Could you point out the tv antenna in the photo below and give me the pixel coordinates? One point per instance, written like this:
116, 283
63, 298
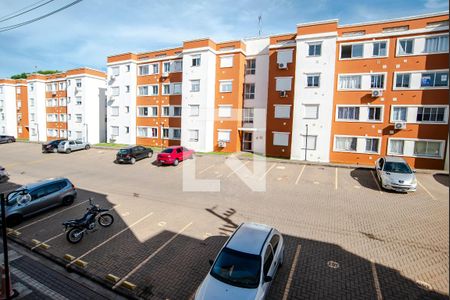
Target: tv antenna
259, 25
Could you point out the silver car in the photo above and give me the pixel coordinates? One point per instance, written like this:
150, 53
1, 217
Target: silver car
69, 146
38, 197
246, 265
395, 174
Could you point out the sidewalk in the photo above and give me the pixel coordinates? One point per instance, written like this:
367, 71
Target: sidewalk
35, 278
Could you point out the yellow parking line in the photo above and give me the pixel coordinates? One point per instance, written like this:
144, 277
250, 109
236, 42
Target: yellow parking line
267, 172
46, 241
376, 282
291, 273
376, 181
426, 190
151, 255
300, 175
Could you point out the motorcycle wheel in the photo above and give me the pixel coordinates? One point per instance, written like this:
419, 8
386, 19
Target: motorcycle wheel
74, 235
105, 220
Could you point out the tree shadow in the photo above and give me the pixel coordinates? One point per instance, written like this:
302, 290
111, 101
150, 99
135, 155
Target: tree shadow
442, 179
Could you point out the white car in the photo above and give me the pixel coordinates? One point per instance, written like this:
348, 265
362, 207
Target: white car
246, 265
395, 174
69, 146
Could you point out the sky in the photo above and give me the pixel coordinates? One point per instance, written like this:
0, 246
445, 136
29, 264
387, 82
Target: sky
86, 33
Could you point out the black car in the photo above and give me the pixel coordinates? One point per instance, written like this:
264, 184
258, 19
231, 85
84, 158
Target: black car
7, 139
132, 154
51, 147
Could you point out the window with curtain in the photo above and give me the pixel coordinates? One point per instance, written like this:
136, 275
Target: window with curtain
223, 136
399, 114
249, 91
436, 44
348, 113
193, 135
374, 114
344, 143
350, 82
194, 110
434, 79
315, 49
379, 49
248, 115
352, 51
377, 81
427, 148
313, 80
372, 145
309, 142
396, 146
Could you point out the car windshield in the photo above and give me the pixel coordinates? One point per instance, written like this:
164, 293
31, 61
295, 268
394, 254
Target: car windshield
237, 268
397, 167
123, 151
168, 150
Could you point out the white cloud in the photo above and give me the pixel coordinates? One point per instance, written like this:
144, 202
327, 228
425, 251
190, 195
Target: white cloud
436, 4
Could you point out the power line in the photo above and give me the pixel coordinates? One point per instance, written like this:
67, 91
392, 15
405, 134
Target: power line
24, 10
2, 29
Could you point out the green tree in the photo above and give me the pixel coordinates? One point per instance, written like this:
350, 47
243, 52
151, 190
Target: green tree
43, 72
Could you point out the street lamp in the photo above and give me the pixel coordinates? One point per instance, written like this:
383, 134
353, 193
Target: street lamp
24, 197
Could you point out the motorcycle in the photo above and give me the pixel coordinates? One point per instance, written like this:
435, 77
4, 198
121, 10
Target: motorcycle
4, 176
77, 228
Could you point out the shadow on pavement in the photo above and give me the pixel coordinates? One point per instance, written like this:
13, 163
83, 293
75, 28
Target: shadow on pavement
442, 179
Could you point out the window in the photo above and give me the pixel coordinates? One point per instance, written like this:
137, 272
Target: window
148, 90
166, 111
78, 118
249, 91
154, 68
348, 113
280, 139
226, 61
374, 114
427, 149
284, 56
166, 67
78, 83
62, 102
195, 85
165, 133
196, 61
343, 143
352, 51
49, 102
430, 114
115, 71
282, 111
377, 81
379, 49
223, 135
434, 79
148, 132
226, 86
436, 44
19, 129
402, 80
399, 114
309, 142
1, 89
63, 117
114, 130
396, 146
127, 89
31, 102
115, 111
194, 110
32, 117
144, 70
250, 67
248, 115
19, 103
315, 49
372, 145
225, 111
311, 111
166, 89
127, 109
127, 68
350, 82
193, 135
62, 86
177, 66
176, 133
406, 47
313, 80
177, 111
283, 83
176, 88
147, 111
127, 129
78, 101
115, 91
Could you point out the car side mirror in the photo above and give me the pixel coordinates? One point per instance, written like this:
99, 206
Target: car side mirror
211, 262
267, 278
414, 171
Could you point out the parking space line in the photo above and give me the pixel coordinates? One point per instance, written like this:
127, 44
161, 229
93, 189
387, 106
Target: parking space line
267, 172
376, 182
234, 171
151, 255
291, 273
376, 282
109, 239
426, 190
300, 175
336, 180
204, 170
47, 217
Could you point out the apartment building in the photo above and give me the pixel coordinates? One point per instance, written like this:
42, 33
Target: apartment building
325, 93
48, 107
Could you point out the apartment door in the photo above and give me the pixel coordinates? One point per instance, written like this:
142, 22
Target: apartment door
247, 138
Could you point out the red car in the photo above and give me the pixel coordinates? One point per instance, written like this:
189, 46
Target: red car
173, 155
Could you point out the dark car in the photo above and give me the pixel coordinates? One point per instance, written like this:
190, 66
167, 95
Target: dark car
51, 147
133, 154
7, 139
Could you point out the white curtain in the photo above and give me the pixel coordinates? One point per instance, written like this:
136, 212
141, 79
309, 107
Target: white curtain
399, 114
350, 82
396, 146
346, 143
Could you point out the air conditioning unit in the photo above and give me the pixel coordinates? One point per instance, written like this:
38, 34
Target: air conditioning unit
283, 94
282, 66
377, 93
222, 144
400, 125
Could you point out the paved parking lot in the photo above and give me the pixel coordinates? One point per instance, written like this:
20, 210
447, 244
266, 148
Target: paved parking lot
345, 237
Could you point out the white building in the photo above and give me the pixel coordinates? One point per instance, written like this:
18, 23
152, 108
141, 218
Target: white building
8, 118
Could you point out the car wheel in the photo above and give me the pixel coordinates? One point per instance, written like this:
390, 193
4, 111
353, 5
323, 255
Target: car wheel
10, 141
13, 220
150, 155
133, 160
192, 156
68, 151
87, 147
68, 200
175, 163
55, 150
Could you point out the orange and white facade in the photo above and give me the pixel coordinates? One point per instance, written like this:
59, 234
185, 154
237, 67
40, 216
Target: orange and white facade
48, 107
326, 93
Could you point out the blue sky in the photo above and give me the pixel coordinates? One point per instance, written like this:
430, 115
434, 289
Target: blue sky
85, 34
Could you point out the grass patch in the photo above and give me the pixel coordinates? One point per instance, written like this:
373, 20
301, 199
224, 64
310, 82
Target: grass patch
111, 145
22, 140
214, 153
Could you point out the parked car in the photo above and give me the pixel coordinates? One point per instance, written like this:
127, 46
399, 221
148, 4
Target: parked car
246, 265
69, 146
395, 174
39, 197
7, 139
173, 155
132, 154
51, 147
